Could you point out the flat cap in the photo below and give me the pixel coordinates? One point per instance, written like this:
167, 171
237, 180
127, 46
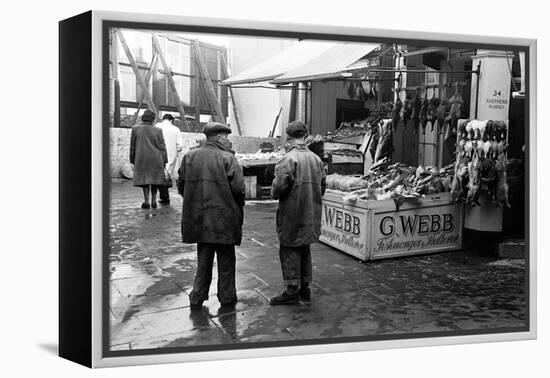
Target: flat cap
213, 128
296, 129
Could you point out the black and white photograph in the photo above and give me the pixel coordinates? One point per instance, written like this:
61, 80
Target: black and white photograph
271, 190
299, 188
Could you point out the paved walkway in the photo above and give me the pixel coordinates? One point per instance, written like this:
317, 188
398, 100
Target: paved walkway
152, 274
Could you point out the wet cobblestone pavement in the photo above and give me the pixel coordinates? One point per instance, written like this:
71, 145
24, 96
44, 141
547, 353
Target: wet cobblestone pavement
152, 274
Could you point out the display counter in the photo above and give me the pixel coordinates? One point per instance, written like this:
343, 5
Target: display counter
375, 229
246, 163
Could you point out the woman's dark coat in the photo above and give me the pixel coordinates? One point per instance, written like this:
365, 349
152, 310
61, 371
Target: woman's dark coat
212, 185
148, 155
299, 186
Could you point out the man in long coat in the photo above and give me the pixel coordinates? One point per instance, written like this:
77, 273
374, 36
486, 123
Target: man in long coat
299, 185
212, 185
174, 144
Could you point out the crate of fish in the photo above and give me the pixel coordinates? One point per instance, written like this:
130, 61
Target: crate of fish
399, 211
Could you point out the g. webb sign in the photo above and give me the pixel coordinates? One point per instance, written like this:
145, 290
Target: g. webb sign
414, 231
344, 229
377, 233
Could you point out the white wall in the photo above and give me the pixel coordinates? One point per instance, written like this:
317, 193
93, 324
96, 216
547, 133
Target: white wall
258, 107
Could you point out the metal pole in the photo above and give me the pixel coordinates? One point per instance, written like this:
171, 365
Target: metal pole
478, 71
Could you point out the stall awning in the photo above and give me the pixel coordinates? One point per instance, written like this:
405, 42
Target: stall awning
329, 64
295, 56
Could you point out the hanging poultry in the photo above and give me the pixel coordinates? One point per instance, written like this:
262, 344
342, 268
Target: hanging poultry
474, 180
360, 92
455, 113
441, 114
407, 111
351, 89
396, 111
489, 177
489, 130
424, 113
432, 110
461, 129
458, 179
366, 84
375, 131
385, 141
502, 183
416, 107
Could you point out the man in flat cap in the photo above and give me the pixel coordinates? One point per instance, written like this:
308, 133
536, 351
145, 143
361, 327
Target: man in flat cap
299, 185
212, 185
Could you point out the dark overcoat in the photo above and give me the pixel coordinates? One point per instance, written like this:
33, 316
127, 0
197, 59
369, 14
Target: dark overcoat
299, 186
148, 154
212, 185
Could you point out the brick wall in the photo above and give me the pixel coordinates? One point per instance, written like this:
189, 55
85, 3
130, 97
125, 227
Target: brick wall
119, 142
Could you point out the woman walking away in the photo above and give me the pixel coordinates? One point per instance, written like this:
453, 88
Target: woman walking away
148, 157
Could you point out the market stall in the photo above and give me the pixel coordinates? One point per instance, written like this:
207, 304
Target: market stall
393, 210
258, 169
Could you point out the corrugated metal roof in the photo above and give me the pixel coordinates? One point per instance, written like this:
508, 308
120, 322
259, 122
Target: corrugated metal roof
296, 55
328, 64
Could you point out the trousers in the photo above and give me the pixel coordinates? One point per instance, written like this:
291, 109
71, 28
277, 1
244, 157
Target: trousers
163, 193
225, 255
296, 264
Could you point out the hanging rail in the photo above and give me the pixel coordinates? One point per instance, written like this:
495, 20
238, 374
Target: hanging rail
428, 86
237, 86
477, 71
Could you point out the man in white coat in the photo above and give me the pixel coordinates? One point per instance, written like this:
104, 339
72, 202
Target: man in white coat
174, 144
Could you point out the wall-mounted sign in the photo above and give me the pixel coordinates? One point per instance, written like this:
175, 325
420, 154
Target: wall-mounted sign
494, 85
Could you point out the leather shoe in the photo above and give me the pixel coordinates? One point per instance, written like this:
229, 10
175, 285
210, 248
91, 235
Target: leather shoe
285, 299
305, 293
